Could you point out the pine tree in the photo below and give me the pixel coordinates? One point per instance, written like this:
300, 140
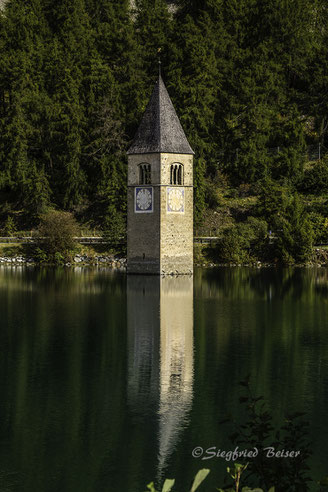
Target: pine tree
194, 80
67, 64
21, 86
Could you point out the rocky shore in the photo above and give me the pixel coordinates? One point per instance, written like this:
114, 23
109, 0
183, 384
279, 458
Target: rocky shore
319, 259
77, 260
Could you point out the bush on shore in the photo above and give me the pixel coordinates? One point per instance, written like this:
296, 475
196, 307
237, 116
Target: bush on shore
56, 234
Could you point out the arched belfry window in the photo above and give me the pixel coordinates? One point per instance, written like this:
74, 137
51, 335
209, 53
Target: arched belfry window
144, 174
176, 174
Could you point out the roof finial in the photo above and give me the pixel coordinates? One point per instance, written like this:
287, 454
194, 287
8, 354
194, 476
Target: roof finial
159, 61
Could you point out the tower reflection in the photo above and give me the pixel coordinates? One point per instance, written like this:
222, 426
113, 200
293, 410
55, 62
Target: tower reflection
160, 355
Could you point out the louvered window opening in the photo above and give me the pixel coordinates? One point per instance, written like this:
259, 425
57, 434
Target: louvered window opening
176, 174
144, 174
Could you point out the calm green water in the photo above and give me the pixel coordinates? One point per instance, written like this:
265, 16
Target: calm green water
109, 382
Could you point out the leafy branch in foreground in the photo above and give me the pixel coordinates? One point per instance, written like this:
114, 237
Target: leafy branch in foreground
235, 473
169, 483
289, 473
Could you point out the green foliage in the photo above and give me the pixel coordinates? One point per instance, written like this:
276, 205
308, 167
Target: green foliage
319, 225
288, 221
289, 474
9, 228
169, 483
114, 226
75, 78
40, 255
315, 179
295, 234
244, 242
199, 478
202, 474
236, 473
233, 248
214, 186
56, 236
247, 489
58, 258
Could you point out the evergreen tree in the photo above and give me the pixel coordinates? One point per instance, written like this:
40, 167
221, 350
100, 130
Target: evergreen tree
248, 80
195, 78
21, 86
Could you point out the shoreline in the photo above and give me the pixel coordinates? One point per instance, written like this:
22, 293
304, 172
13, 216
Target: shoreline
119, 263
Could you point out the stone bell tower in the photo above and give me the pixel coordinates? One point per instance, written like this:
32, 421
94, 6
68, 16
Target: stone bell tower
160, 192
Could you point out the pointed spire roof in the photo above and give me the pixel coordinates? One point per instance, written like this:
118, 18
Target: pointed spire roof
160, 129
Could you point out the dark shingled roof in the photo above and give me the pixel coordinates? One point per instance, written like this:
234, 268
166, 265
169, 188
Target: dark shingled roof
160, 129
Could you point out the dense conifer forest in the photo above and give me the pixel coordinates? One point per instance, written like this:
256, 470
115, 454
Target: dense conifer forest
249, 81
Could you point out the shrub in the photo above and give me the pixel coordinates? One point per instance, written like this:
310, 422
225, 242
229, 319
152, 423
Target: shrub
295, 233
257, 430
9, 228
114, 226
315, 180
212, 195
56, 234
288, 220
244, 190
319, 224
245, 242
234, 247
40, 255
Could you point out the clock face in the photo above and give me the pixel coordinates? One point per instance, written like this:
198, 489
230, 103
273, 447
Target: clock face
144, 199
175, 200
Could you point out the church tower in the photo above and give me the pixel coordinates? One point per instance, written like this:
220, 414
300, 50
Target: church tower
160, 192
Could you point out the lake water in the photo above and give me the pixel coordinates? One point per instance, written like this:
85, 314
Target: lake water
108, 382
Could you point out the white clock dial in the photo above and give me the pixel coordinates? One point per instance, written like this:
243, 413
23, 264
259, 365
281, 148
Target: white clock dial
175, 200
144, 199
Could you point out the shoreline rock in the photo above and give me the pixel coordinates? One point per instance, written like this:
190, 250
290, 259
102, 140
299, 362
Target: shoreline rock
115, 262
319, 260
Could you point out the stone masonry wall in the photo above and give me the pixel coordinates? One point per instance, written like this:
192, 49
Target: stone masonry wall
143, 229
160, 242
177, 228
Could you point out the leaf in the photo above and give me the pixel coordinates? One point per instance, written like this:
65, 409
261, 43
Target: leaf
272, 489
201, 475
247, 489
151, 487
168, 484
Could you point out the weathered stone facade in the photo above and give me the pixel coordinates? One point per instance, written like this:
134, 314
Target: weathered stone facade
160, 242
143, 231
176, 234
160, 205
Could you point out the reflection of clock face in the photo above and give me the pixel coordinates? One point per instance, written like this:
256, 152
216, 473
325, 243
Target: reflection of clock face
144, 200
175, 200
